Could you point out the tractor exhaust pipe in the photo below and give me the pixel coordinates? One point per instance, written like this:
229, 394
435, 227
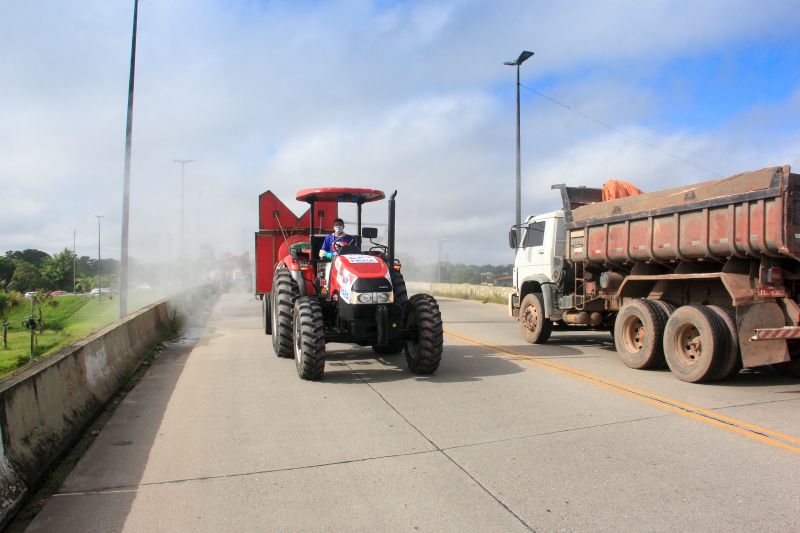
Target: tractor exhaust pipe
391, 230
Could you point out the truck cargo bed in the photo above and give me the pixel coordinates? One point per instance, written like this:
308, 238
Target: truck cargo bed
746, 215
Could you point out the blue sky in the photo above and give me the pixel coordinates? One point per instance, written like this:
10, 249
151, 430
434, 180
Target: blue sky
406, 95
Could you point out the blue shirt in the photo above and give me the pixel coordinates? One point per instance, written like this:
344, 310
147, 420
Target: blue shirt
344, 240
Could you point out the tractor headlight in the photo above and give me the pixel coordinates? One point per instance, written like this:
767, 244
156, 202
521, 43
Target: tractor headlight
371, 297
364, 298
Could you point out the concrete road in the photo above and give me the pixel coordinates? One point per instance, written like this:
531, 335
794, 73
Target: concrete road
221, 435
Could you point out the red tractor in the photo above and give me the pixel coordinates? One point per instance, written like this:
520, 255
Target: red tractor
357, 297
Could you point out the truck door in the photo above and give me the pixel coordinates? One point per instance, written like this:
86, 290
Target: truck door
542, 239
534, 258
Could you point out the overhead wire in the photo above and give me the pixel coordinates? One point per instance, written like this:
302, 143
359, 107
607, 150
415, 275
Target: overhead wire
621, 132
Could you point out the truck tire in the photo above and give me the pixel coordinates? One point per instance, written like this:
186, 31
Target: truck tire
399, 288
638, 334
393, 348
533, 325
733, 361
266, 312
309, 338
284, 295
668, 309
425, 343
695, 343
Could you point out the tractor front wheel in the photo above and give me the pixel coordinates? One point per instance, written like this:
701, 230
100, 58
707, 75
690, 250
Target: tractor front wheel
425, 343
284, 294
309, 338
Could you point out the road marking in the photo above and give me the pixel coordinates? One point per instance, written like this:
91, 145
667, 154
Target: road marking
753, 431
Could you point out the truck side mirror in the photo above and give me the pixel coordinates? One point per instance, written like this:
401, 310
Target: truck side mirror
512, 238
369, 233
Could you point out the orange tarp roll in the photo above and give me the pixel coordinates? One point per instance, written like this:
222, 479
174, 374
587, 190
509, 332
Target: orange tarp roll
613, 189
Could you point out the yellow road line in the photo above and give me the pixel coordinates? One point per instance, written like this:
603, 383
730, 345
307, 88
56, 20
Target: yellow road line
734, 425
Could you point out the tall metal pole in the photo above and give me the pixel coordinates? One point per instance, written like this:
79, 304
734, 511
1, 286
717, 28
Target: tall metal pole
519, 163
183, 163
123, 271
74, 262
99, 279
524, 56
439, 264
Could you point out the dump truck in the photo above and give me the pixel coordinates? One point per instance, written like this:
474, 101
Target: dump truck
701, 278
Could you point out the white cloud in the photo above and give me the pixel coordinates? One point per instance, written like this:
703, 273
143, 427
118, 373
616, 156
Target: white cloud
285, 95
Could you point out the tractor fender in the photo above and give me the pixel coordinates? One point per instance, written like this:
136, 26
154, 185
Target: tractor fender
546, 286
298, 278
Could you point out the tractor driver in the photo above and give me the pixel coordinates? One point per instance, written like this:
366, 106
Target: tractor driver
335, 241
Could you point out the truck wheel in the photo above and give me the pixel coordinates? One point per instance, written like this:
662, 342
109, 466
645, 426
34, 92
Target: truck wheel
284, 295
638, 332
309, 338
668, 309
695, 343
733, 362
267, 314
533, 325
399, 288
425, 343
393, 348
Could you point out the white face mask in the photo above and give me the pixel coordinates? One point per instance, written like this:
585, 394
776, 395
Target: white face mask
338, 229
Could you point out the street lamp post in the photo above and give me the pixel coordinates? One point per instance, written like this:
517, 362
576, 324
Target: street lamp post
99, 279
183, 163
516, 63
439, 264
74, 262
123, 266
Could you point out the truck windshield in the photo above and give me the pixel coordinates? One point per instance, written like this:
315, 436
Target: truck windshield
534, 236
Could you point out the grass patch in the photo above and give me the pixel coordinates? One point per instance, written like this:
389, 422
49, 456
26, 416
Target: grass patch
73, 318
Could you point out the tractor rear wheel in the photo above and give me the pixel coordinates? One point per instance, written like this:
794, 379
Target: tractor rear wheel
267, 314
638, 333
284, 295
695, 343
309, 338
425, 343
533, 325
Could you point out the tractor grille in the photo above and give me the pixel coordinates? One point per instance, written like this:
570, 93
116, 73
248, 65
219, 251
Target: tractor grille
372, 285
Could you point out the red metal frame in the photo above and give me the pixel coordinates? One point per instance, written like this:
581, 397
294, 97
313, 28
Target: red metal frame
279, 227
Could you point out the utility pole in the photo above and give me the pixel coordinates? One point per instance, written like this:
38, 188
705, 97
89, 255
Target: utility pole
516, 63
183, 163
123, 263
74, 263
99, 279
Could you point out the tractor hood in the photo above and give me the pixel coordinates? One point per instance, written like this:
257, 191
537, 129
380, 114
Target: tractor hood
361, 273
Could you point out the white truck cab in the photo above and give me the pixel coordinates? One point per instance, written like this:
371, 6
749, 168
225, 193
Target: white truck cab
538, 262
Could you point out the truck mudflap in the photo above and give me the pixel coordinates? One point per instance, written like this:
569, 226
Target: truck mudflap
786, 332
767, 317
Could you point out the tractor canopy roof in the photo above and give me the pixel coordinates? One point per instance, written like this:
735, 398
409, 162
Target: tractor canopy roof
340, 194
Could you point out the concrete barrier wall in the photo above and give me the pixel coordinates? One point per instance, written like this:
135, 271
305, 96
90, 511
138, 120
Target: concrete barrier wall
47, 407
462, 290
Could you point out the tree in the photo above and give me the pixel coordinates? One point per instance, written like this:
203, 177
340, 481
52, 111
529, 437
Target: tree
7, 266
26, 278
8, 301
57, 271
30, 255
86, 283
41, 300
465, 274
